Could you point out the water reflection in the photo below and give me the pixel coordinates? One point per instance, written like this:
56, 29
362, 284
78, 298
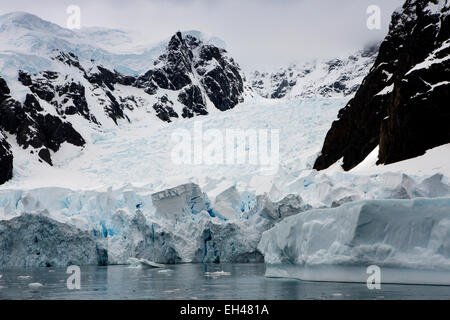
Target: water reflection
194, 281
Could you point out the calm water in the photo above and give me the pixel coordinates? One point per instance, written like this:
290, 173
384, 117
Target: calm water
191, 281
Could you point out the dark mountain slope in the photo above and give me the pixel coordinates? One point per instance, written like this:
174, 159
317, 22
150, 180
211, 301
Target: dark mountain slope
402, 105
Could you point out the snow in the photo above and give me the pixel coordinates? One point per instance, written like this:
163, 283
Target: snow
217, 274
338, 244
319, 78
433, 161
431, 59
140, 153
124, 188
386, 90
125, 193
26, 42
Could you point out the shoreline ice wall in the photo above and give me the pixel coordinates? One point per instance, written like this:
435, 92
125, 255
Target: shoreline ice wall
408, 239
188, 223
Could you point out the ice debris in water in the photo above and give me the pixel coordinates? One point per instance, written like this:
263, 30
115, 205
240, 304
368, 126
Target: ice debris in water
217, 274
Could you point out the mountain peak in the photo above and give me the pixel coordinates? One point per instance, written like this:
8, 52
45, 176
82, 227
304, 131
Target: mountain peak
30, 22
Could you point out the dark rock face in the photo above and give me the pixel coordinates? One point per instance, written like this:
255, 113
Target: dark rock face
164, 109
175, 65
90, 91
6, 160
223, 84
192, 98
402, 105
69, 96
32, 127
187, 58
38, 241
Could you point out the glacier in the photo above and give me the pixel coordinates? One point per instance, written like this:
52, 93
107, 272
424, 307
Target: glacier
187, 223
408, 239
121, 197
123, 192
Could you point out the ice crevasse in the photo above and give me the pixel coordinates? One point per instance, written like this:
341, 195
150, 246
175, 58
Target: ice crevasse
409, 240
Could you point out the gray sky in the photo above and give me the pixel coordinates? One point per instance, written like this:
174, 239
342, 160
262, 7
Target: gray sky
259, 33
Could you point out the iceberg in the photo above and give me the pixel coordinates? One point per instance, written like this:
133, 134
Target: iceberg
408, 239
144, 263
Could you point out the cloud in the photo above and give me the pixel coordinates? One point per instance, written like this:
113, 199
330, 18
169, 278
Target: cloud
259, 33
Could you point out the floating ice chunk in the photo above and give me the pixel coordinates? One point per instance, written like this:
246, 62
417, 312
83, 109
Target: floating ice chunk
35, 285
24, 277
165, 271
144, 263
217, 274
408, 239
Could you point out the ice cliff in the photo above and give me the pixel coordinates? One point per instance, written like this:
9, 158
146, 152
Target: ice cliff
408, 239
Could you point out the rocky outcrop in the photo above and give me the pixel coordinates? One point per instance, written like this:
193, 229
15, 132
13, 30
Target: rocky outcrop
69, 92
187, 78
32, 127
221, 77
37, 241
195, 104
6, 160
164, 109
402, 105
187, 61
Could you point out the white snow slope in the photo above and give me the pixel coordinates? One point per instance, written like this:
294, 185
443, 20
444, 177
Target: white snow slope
114, 186
125, 188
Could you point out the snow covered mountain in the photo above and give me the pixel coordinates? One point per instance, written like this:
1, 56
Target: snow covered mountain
26, 41
402, 105
113, 191
339, 77
67, 96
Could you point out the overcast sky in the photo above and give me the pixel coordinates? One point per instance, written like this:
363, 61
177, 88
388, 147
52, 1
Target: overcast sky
258, 32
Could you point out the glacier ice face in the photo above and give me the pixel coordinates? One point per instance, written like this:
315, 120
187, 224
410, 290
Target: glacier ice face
228, 242
185, 199
36, 240
224, 224
276, 211
172, 226
228, 203
340, 243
